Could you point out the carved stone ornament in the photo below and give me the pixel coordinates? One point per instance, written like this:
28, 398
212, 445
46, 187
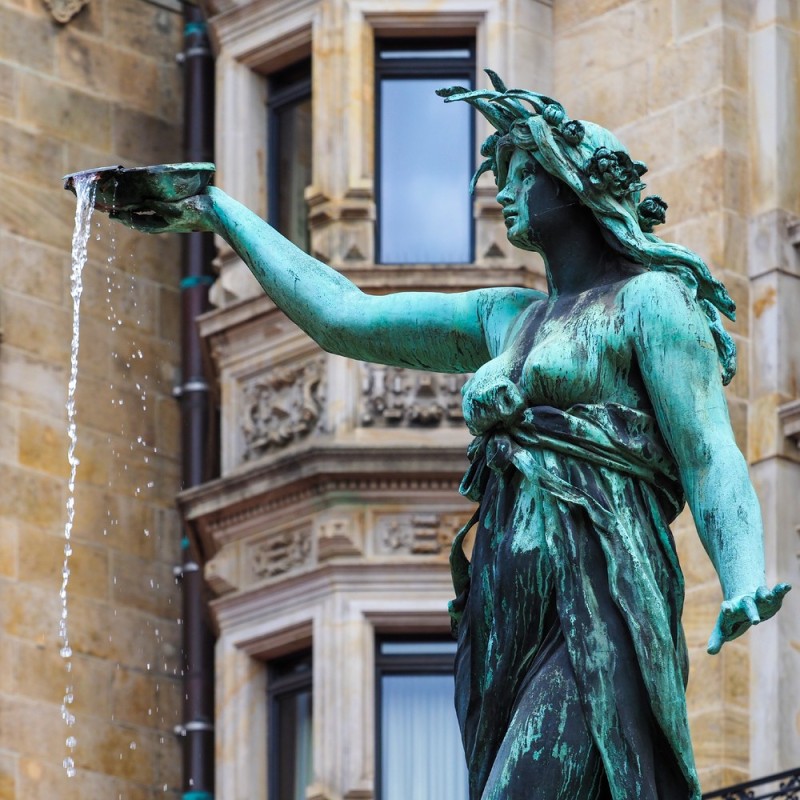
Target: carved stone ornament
279, 553
64, 10
397, 397
282, 407
417, 534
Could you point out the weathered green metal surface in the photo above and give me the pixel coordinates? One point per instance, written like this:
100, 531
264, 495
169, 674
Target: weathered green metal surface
597, 410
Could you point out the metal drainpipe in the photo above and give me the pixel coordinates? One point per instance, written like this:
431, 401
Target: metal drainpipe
197, 730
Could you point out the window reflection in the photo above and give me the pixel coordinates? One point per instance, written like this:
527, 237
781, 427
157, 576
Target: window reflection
424, 156
289, 109
290, 703
421, 755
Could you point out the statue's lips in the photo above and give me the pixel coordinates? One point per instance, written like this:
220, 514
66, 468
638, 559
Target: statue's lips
123, 189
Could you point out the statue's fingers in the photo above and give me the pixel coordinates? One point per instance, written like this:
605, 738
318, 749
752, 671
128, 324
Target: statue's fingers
763, 594
751, 610
716, 639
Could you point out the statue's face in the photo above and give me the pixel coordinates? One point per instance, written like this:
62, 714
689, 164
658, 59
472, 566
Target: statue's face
530, 198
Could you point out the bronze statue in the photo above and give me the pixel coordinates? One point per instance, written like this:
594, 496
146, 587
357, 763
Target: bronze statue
597, 411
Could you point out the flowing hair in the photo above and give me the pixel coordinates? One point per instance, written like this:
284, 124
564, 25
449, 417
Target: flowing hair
596, 166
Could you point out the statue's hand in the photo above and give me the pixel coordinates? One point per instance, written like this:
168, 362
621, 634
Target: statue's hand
739, 613
193, 214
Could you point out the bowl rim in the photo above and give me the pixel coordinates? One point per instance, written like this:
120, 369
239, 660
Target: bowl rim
100, 172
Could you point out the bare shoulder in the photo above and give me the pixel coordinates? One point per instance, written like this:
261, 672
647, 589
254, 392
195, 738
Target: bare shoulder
658, 307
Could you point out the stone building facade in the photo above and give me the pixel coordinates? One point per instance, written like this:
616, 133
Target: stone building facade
329, 526
101, 87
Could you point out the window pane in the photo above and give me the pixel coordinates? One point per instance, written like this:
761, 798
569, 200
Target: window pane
294, 744
422, 757
456, 52
293, 169
416, 648
425, 168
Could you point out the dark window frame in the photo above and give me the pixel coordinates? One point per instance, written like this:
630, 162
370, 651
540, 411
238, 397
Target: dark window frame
285, 87
404, 664
422, 67
285, 676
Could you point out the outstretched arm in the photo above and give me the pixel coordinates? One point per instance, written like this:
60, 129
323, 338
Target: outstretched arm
680, 367
424, 330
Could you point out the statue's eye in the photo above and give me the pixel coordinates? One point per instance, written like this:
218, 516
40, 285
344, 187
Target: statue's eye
528, 172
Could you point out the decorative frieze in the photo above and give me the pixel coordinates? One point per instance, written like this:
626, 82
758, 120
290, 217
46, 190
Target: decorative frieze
278, 553
397, 397
416, 534
282, 406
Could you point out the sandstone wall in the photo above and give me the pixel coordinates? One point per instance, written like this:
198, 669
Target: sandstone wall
102, 89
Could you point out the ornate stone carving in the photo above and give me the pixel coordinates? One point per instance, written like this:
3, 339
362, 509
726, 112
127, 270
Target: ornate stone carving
397, 397
417, 534
279, 553
283, 406
64, 10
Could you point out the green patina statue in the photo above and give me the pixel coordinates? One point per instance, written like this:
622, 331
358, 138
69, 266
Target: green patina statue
597, 410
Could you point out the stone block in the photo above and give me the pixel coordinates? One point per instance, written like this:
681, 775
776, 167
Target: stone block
65, 113
41, 328
569, 13
150, 31
169, 313
776, 12
26, 41
43, 445
40, 675
41, 557
115, 409
700, 614
144, 585
29, 156
651, 138
736, 673
8, 91
9, 536
145, 139
33, 269
688, 69
119, 751
115, 521
9, 425
146, 700
29, 612
705, 688
34, 213
30, 382
691, 189
22, 731
695, 563
8, 777
37, 499
101, 67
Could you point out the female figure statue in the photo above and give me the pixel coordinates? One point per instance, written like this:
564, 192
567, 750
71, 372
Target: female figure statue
597, 411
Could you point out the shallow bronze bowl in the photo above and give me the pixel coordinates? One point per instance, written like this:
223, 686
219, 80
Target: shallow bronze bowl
129, 189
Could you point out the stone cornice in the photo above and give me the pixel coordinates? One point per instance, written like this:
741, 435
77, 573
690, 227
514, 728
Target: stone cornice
789, 416
300, 481
305, 590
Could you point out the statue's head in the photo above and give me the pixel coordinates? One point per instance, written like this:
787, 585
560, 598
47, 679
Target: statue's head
594, 164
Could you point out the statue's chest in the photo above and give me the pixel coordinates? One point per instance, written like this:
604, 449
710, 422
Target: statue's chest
575, 354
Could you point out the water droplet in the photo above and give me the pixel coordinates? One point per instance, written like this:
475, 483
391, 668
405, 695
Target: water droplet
66, 652
133, 745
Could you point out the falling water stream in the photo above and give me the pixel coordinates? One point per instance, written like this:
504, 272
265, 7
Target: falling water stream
85, 189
